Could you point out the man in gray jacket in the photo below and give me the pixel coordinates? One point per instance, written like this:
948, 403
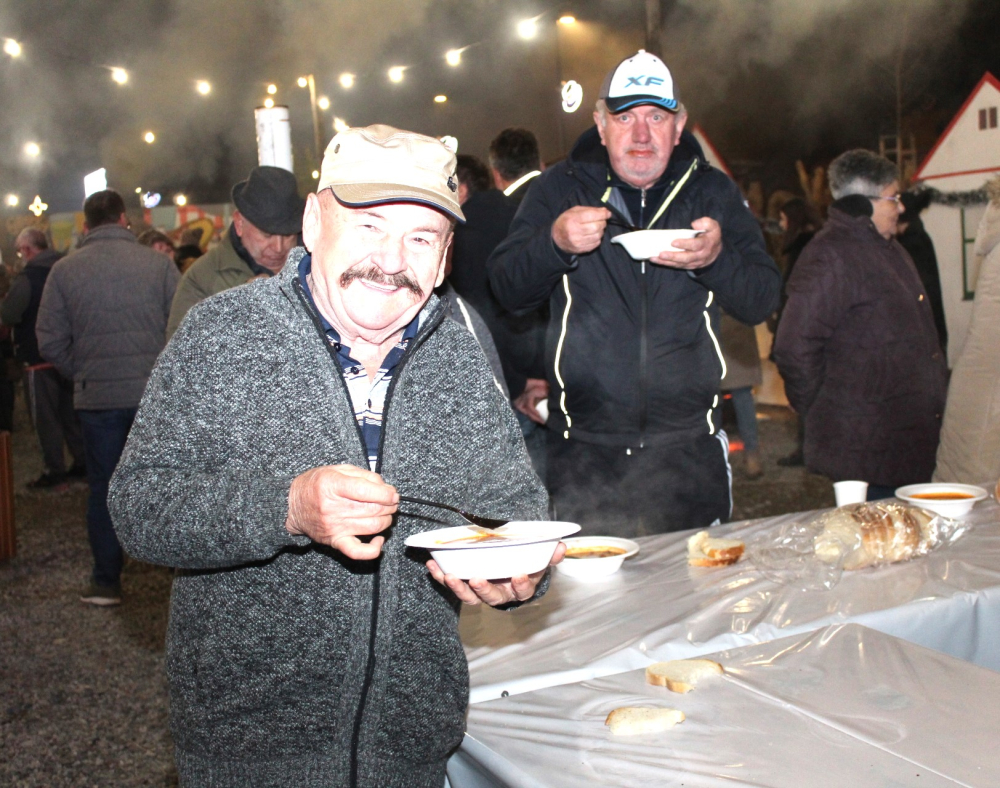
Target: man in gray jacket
102, 323
49, 395
307, 645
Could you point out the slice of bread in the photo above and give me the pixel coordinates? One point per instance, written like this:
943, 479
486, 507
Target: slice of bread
633, 720
681, 675
704, 550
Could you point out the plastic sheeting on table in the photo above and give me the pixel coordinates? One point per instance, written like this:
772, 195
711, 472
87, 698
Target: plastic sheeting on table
844, 705
658, 608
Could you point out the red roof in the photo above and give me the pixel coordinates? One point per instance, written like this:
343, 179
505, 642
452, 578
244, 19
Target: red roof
704, 137
987, 77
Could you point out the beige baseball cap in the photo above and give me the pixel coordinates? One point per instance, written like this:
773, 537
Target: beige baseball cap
379, 164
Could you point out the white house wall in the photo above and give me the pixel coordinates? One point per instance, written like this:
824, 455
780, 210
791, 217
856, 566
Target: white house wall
944, 225
966, 147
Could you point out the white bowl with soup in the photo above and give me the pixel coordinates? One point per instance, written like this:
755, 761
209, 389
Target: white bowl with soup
946, 499
520, 547
592, 557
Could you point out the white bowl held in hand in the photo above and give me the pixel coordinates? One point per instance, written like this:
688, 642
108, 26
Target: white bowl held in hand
586, 560
523, 547
643, 244
946, 499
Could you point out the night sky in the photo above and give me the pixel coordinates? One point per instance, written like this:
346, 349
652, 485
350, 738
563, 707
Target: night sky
771, 81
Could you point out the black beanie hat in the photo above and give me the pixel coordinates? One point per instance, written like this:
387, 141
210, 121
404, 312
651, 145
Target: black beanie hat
269, 200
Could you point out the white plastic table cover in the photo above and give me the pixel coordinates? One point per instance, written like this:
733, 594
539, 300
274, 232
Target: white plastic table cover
844, 705
657, 608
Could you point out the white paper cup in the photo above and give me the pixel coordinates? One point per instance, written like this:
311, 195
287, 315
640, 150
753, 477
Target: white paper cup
850, 492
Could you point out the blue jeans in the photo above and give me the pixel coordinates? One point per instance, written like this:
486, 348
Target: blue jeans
534, 442
104, 435
746, 416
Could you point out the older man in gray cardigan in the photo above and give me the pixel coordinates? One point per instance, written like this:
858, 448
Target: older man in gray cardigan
307, 646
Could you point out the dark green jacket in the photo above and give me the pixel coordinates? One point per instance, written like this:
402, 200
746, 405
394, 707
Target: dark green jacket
220, 268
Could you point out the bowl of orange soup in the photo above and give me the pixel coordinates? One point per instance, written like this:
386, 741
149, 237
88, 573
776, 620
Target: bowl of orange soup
947, 499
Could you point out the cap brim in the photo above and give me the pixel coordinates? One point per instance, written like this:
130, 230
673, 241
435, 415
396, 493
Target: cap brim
359, 195
623, 103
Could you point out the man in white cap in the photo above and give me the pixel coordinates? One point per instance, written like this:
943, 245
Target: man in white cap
307, 645
633, 360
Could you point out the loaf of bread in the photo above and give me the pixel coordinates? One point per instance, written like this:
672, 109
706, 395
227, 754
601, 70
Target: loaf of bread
633, 720
704, 550
867, 534
681, 675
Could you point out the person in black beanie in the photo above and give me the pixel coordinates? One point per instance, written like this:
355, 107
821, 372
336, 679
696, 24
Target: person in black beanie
265, 227
914, 239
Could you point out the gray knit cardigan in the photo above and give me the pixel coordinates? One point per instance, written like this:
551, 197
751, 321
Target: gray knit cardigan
290, 665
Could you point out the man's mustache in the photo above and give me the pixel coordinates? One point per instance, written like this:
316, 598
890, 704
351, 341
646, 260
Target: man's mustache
372, 273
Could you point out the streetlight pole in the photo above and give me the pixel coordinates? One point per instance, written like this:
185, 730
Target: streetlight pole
317, 142
654, 21
559, 82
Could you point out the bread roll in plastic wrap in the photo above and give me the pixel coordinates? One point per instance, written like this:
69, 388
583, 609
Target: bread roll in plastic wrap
868, 534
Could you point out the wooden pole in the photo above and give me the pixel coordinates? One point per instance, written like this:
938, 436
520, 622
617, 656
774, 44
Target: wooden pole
8, 541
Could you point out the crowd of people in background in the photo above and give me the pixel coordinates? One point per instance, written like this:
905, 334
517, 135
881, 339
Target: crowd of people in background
621, 412
514, 335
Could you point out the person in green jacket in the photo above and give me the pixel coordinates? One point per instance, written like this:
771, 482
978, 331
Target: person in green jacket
265, 227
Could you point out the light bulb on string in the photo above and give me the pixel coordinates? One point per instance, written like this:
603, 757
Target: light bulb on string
527, 28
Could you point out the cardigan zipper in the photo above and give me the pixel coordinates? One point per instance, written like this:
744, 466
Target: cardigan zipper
643, 336
432, 321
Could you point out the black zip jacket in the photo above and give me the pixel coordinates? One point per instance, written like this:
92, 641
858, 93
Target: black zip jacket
632, 356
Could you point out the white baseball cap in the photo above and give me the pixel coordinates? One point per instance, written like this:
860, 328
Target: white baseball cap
640, 79
380, 164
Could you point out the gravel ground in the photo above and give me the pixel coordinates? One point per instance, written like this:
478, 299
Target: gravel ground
83, 699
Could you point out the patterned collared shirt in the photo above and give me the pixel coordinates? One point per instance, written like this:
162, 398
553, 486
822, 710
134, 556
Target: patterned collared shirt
367, 397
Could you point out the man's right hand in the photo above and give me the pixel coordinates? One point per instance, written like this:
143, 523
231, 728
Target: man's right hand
579, 229
335, 504
535, 390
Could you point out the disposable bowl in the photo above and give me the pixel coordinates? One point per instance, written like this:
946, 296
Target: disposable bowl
643, 244
527, 548
947, 508
595, 568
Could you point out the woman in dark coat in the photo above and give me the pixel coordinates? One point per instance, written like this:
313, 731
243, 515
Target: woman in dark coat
856, 346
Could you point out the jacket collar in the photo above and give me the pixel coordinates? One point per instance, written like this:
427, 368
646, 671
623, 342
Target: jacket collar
108, 232
44, 259
860, 226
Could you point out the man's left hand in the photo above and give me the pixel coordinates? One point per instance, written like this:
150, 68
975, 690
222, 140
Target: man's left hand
699, 252
477, 590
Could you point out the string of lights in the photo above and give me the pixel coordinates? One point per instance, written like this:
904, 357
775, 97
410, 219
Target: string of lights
526, 29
